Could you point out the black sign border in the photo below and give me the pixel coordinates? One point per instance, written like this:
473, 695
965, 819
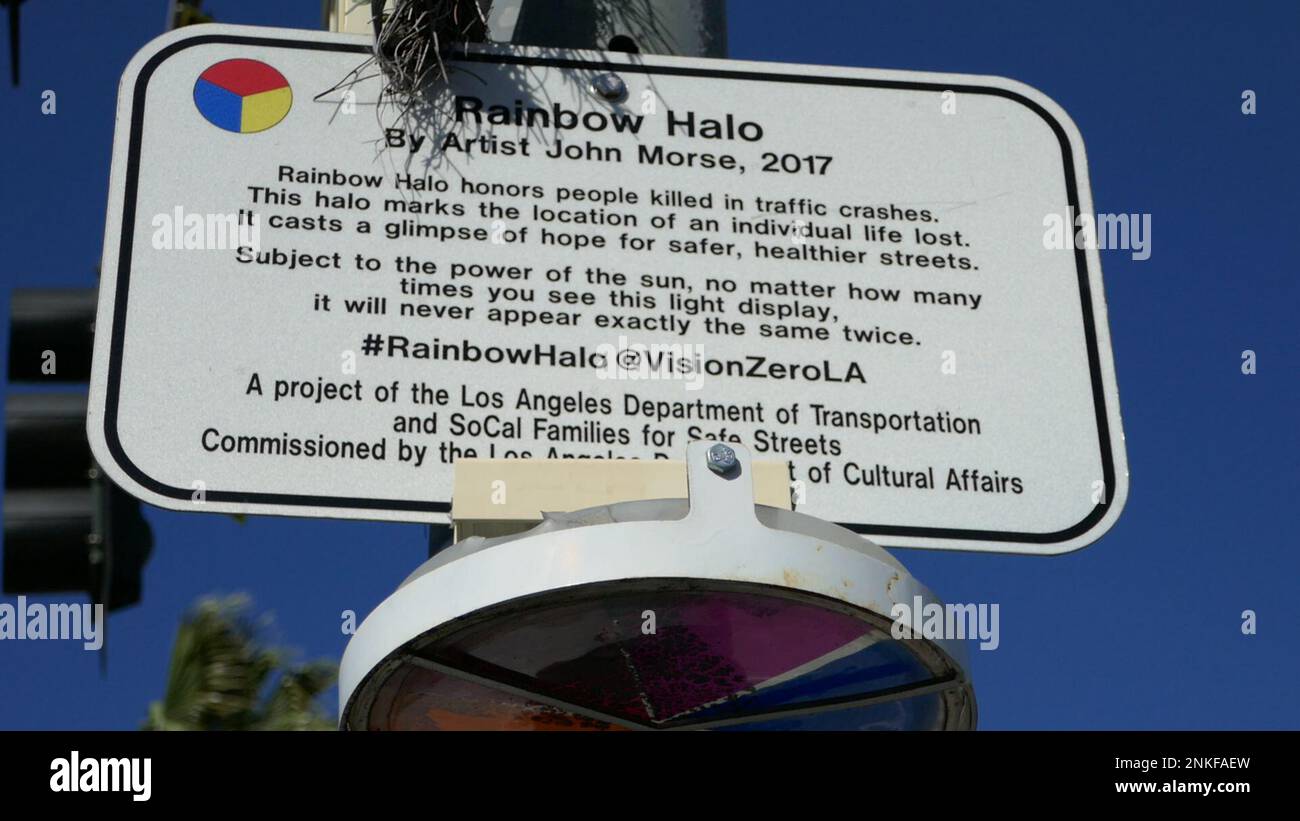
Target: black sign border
117, 339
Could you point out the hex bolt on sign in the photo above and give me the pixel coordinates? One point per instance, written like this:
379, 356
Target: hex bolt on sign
609, 87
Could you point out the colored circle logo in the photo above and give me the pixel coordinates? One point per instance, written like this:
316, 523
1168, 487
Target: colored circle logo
244, 96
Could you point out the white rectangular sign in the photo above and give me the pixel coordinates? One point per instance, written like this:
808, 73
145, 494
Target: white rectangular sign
315, 300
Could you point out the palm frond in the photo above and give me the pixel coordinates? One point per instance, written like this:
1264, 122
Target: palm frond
220, 670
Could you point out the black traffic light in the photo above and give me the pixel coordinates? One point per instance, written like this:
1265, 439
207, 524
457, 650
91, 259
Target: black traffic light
51, 335
66, 527
12, 6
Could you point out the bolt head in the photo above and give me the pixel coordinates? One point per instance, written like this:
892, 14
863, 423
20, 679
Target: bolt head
722, 459
609, 87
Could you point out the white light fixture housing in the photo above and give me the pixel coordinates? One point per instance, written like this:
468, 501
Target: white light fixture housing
702, 613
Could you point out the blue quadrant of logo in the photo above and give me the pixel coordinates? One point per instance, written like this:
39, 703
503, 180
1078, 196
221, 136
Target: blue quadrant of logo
222, 108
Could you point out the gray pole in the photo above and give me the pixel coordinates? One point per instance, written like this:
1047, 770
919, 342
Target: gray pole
686, 28
689, 28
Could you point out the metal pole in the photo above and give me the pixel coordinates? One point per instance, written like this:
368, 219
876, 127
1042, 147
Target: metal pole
688, 28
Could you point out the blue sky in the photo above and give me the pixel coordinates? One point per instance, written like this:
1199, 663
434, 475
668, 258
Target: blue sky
1141, 630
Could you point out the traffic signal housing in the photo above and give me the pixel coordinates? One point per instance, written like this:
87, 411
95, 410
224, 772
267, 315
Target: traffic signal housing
67, 528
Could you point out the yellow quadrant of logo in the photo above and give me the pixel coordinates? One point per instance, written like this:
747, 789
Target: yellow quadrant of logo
263, 110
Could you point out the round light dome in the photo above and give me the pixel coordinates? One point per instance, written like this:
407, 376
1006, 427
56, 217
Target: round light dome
713, 614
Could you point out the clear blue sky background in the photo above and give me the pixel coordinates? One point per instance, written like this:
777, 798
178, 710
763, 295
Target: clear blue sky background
1141, 630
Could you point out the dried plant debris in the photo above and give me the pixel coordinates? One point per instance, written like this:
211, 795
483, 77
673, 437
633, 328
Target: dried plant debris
411, 35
